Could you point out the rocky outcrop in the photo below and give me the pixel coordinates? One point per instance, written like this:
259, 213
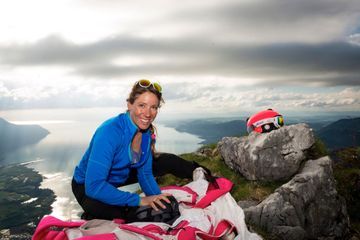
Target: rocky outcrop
269, 156
307, 207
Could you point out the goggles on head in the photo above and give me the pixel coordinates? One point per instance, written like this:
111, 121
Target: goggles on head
144, 83
267, 124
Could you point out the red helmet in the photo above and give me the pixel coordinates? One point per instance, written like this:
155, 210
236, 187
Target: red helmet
264, 121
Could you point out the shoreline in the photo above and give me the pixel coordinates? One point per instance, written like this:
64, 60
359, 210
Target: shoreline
22, 201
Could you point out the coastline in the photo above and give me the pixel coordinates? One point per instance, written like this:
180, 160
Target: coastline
22, 201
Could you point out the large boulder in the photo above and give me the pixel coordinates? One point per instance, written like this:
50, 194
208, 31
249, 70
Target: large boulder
268, 156
307, 207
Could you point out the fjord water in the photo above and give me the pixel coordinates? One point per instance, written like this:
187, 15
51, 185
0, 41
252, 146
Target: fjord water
56, 156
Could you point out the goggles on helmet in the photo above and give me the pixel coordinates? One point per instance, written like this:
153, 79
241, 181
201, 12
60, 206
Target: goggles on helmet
144, 83
277, 122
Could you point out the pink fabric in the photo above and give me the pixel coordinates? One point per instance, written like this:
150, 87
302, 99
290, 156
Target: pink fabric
225, 186
53, 228
43, 231
119, 221
154, 229
187, 233
184, 232
222, 227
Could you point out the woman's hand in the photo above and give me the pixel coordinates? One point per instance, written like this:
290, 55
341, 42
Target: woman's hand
155, 200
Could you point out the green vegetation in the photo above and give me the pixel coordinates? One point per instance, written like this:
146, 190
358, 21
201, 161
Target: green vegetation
346, 169
318, 150
347, 175
21, 200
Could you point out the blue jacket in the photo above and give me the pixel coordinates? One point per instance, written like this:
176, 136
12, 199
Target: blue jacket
107, 161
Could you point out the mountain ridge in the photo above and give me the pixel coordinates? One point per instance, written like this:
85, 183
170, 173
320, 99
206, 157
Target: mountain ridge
16, 136
335, 134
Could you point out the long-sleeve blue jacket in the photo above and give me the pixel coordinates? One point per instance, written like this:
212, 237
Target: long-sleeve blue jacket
107, 161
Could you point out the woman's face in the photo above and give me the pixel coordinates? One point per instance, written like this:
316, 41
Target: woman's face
144, 110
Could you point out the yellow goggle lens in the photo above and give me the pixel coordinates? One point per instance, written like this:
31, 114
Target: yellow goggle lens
281, 120
157, 87
146, 83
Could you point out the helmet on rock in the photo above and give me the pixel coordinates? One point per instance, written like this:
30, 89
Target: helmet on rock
264, 121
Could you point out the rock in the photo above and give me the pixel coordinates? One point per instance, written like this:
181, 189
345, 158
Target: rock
5, 234
268, 156
207, 152
204, 152
246, 204
307, 207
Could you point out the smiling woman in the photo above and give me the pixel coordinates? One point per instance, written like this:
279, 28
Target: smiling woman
119, 145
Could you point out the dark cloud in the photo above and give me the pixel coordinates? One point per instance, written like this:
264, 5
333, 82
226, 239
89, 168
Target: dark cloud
271, 12
289, 63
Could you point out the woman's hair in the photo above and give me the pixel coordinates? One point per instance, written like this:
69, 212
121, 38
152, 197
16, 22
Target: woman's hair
136, 91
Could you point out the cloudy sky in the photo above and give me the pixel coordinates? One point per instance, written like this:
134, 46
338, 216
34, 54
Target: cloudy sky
211, 57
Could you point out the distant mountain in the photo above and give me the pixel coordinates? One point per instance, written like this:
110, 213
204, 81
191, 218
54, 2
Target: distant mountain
14, 136
340, 134
211, 131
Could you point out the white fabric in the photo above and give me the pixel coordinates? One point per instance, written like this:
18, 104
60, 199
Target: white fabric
180, 195
226, 208
223, 208
199, 185
196, 217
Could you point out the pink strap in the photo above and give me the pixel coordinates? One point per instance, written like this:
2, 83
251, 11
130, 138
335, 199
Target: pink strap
225, 186
105, 236
138, 230
183, 189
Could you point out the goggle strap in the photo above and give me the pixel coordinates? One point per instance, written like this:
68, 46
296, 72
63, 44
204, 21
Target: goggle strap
264, 121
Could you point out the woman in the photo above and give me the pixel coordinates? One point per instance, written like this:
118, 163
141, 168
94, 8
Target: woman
121, 145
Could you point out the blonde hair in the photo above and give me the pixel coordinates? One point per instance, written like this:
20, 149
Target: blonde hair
136, 91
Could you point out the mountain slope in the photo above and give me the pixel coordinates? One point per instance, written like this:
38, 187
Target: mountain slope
212, 131
340, 134
14, 136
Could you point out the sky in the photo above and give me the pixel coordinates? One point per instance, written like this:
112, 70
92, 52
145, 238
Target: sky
212, 58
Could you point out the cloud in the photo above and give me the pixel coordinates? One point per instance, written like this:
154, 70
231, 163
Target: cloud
199, 99
60, 95
335, 63
208, 55
274, 21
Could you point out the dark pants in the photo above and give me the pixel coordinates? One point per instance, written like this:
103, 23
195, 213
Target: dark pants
96, 209
162, 164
